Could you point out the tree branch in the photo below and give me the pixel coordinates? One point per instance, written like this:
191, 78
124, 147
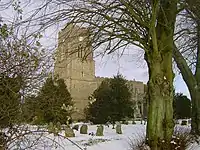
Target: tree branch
187, 74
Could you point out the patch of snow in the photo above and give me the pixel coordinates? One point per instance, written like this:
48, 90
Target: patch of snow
110, 141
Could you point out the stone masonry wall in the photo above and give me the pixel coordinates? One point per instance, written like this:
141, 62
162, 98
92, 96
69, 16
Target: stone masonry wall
79, 73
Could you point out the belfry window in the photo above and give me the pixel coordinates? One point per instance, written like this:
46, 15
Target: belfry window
82, 74
80, 51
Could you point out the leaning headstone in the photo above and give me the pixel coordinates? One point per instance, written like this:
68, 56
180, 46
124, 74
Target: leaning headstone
83, 129
69, 132
118, 129
75, 127
99, 130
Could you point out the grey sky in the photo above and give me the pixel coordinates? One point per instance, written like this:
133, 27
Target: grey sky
134, 69
131, 64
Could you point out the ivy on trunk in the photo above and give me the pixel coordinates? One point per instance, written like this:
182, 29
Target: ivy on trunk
160, 85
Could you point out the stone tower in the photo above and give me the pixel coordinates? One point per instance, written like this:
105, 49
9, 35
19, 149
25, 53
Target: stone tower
75, 64
75, 54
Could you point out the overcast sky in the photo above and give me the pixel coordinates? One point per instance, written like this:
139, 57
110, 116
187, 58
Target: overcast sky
132, 67
131, 64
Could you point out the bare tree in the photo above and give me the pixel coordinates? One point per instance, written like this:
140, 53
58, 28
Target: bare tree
24, 65
119, 23
21, 67
187, 56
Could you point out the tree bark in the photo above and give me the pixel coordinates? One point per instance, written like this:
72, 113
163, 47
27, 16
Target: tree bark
160, 123
192, 81
195, 91
193, 87
160, 112
195, 126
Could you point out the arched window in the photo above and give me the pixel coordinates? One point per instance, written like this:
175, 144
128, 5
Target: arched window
80, 51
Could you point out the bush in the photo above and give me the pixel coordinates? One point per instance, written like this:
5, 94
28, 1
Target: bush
181, 140
138, 143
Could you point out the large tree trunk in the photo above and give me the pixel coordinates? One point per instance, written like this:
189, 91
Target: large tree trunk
195, 91
160, 123
195, 126
160, 111
194, 88
192, 82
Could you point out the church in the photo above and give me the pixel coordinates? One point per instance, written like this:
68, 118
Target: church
75, 64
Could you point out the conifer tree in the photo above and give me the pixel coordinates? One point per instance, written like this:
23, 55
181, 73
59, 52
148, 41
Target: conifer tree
9, 100
54, 102
182, 106
111, 101
29, 109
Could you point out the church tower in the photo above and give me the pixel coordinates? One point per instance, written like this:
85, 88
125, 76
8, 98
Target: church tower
74, 63
74, 56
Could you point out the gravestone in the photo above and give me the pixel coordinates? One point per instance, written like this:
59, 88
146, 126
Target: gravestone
83, 129
69, 132
99, 130
118, 129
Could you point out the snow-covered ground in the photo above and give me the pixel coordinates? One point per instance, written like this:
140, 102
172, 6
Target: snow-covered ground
110, 141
